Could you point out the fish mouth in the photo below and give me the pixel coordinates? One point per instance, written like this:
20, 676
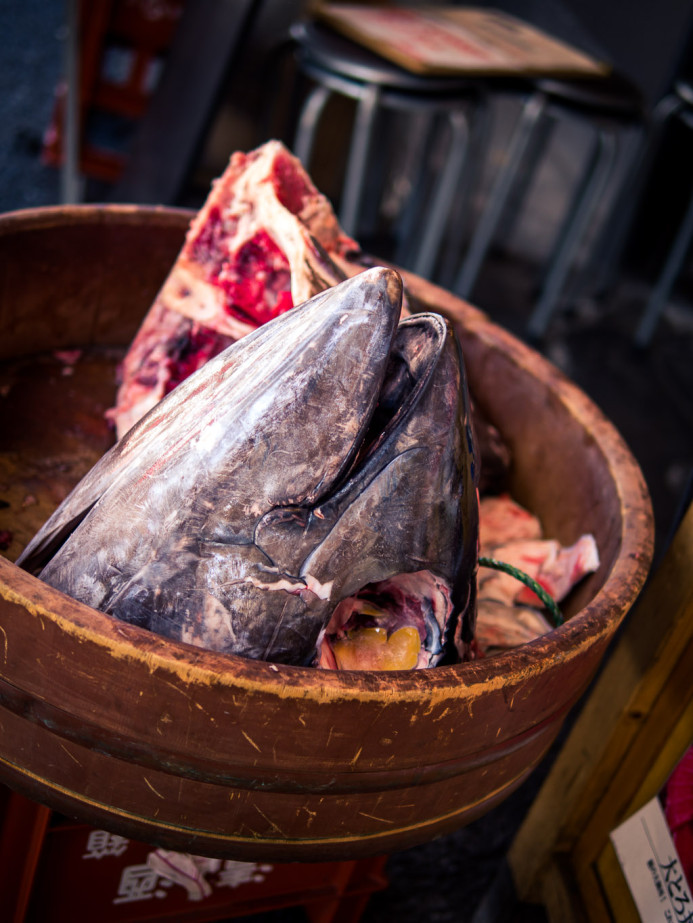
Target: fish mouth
396, 624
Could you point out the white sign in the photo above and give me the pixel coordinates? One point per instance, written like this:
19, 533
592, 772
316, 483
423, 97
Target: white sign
652, 867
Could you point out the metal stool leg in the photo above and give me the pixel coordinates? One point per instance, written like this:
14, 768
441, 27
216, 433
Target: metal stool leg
586, 200
444, 196
463, 205
409, 225
614, 234
358, 157
481, 240
524, 178
70, 180
666, 279
308, 123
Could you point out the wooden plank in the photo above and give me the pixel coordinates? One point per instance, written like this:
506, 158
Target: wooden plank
595, 866
647, 766
560, 898
204, 47
621, 702
608, 876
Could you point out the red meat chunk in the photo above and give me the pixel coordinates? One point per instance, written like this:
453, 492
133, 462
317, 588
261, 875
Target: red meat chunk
261, 243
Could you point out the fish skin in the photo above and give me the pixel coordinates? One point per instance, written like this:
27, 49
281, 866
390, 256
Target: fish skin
232, 516
418, 482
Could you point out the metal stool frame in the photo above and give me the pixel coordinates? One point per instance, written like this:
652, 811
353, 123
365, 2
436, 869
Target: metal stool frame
375, 88
523, 153
678, 104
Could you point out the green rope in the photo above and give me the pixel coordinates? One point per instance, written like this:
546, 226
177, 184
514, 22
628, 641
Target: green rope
520, 575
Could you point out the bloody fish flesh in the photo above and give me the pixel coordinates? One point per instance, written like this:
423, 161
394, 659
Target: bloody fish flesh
264, 240
326, 452
508, 612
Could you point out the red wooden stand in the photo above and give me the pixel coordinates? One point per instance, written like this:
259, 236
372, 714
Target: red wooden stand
137, 35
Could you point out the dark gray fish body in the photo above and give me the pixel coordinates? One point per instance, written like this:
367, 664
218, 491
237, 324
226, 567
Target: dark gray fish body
327, 450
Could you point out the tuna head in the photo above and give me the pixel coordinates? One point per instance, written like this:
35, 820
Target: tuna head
327, 450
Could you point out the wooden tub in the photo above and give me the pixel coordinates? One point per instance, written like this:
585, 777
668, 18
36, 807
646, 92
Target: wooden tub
223, 756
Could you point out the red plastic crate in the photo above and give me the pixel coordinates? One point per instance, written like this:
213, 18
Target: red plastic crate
63, 871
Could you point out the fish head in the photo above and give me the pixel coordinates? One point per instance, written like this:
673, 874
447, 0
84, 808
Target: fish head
328, 451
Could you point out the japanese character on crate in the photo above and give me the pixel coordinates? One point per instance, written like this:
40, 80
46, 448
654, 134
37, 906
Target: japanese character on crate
163, 868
